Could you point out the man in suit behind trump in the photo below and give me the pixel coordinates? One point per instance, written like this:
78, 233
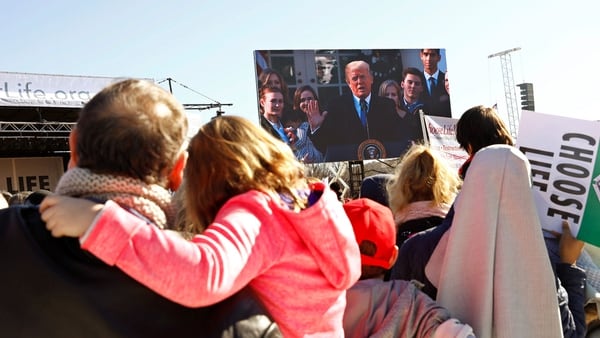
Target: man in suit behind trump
436, 98
351, 119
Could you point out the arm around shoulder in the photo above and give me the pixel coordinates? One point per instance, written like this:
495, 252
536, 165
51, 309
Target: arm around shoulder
211, 267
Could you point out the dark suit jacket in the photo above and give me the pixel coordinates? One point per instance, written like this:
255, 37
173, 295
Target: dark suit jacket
269, 127
438, 103
342, 125
411, 122
51, 288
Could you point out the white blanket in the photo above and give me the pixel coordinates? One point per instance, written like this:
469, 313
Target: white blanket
491, 268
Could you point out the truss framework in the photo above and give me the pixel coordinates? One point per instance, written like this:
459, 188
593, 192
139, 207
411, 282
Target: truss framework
512, 104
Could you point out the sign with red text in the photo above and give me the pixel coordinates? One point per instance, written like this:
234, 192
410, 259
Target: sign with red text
565, 171
441, 135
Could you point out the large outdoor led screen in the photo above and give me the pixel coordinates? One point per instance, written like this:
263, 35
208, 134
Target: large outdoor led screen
350, 104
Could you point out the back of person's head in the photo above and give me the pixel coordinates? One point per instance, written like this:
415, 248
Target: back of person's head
422, 175
375, 234
18, 198
231, 155
375, 188
479, 127
36, 197
336, 187
131, 128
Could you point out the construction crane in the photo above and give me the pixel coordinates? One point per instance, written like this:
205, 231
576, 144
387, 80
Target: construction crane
512, 107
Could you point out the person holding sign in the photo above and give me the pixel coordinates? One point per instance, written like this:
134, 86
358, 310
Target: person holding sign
477, 129
491, 267
565, 250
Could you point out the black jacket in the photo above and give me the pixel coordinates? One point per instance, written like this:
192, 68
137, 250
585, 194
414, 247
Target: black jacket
342, 125
51, 288
438, 103
415, 253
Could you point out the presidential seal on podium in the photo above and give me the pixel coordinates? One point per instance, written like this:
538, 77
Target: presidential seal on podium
371, 149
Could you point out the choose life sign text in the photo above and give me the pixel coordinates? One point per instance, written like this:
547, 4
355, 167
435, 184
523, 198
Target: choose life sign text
565, 171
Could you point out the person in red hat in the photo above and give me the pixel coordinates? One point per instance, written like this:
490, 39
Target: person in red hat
394, 308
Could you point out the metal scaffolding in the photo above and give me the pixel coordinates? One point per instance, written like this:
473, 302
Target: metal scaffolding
34, 138
48, 129
512, 104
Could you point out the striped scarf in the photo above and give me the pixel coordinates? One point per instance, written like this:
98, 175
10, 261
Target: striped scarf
150, 200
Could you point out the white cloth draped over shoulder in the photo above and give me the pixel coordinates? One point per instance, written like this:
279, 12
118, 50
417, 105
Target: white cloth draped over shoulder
492, 268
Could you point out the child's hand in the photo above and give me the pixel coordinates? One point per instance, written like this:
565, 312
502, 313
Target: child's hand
68, 216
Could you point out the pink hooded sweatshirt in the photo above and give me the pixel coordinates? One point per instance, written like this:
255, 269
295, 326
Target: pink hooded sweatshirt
298, 263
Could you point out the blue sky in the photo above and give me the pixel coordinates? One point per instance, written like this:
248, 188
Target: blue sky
208, 46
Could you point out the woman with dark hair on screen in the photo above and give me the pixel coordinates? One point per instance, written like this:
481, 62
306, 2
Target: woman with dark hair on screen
306, 104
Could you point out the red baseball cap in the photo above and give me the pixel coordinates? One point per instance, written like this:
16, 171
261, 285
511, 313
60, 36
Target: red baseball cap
374, 222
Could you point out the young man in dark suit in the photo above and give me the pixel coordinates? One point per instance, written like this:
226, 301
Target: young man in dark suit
357, 117
435, 97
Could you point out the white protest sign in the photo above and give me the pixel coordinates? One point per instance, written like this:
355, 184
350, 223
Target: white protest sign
565, 170
441, 135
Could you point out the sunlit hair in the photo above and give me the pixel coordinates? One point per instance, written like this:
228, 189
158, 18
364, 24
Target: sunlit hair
389, 83
266, 75
422, 175
299, 91
229, 156
480, 127
131, 128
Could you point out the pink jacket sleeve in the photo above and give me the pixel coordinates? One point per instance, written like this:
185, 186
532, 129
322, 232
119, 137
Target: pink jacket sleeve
193, 273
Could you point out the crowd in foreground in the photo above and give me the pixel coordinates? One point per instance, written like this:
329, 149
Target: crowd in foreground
229, 238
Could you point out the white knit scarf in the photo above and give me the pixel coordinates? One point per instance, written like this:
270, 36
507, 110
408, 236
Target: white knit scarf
150, 200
